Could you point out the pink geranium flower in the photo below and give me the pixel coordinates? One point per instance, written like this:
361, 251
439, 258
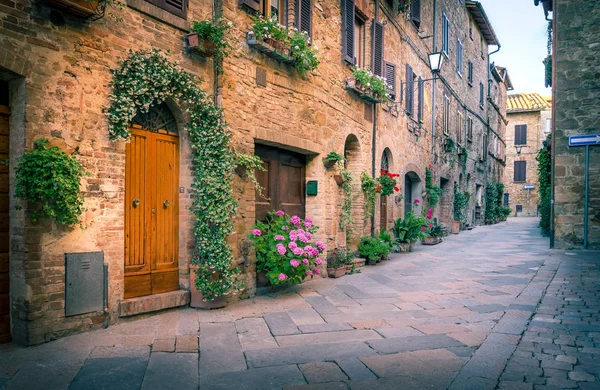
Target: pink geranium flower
316, 271
282, 277
281, 249
295, 220
307, 225
417, 201
320, 245
298, 251
423, 228
309, 273
256, 232
292, 245
294, 263
279, 237
319, 261
305, 261
429, 211
430, 225
280, 213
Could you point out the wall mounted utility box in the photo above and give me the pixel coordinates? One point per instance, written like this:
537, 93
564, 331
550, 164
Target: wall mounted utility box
312, 187
84, 283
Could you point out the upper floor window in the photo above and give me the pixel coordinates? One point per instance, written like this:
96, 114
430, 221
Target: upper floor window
481, 94
459, 57
470, 129
415, 12
421, 102
446, 115
390, 78
304, 16
470, 73
176, 7
520, 171
410, 91
276, 8
445, 34
520, 134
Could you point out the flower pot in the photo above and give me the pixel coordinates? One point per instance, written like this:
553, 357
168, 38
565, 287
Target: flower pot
455, 227
328, 164
336, 272
277, 45
371, 262
432, 240
81, 8
200, 45
349, 268
358, 262
197, 299
404, 247
339, 180
261, 279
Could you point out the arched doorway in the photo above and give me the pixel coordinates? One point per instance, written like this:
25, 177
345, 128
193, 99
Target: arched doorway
152, 204
386, 158
412, 191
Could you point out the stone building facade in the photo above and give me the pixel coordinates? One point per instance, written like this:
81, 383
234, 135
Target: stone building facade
530, 121
55, 72
576, 109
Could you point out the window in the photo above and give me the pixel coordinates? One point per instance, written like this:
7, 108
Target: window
520, 171
421, 100
470, 129
481, 92
390, 78
520, 134
359, 41
484, 147
446, 115
506, 197
276, 8
519, 208
459, 57
445, 34
415, 12
470, 73
175, 7
459, 127
378, 52
304, 16
410, 90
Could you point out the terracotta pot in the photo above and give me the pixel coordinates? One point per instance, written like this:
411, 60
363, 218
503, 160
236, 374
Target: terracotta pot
202, 46
348, 268
277, 45
328, 164
432, 240
455, 227
404, 247
338, 180
197, 299
358, 262
261, 279
336, 272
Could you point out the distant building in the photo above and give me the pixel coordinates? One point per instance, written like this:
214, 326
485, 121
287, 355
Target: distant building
529, 123
576, 111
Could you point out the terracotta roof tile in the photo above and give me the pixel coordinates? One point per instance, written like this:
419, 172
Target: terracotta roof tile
527, 102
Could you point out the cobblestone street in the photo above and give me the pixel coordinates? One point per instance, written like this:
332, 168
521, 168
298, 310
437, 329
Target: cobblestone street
490, 308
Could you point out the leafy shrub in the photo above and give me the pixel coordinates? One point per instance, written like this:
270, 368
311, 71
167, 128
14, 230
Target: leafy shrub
49, 180
334, 157
373, 248
433, 191
369, 188
460, 203
410, 229
365, 79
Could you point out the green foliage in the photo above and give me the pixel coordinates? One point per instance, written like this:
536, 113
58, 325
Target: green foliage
504, 212
251, 163
387, 183
464, 157
218, 33
284, 248
49, 180
346, 218
373, 248
145, 78
461, 200
449, 144
435, 230
270, 28
369, 188
433, 191
366, 80
339, 257
491, 203
410, 229
334, 157
544, 176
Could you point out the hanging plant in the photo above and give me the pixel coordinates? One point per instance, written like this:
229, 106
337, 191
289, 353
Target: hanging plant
212, 38
346, 218
369, 188
49, 179
247, 165
145, 78
387, 183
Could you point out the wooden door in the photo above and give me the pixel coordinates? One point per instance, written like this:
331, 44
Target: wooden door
151, 213
283, 182
408, 206
383, 212
4, 226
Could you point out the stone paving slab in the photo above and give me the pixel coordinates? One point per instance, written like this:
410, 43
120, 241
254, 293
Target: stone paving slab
306, 316
320, 372
405, 344
280, 324
257, 379
253, 333
355, 369
325, 327
171, 371
220, 349
327, 337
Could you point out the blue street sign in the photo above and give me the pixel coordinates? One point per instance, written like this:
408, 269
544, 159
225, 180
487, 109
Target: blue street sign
529, 187
583, 140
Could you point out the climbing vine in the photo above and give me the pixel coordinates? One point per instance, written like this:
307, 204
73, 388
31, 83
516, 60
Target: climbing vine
433, 191
146, 78
369, 188
544, 166
346, 218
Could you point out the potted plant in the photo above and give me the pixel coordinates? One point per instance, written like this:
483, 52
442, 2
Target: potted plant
386, 237
286, 251
331, 159
210, 39
373, 249
449, 144
82, 8
460, 203
368, 86
387, 183
336, 268
408, 231
435, 234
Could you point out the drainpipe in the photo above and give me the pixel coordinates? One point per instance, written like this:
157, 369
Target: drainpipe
374, 140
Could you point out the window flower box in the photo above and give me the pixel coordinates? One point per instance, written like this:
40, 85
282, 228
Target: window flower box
202, 46
82, 8
362, 92
272, 48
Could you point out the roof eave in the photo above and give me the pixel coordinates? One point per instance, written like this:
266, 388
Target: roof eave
480, 17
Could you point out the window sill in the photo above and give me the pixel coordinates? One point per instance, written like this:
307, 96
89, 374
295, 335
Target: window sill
269, 50
470, 84
160, 14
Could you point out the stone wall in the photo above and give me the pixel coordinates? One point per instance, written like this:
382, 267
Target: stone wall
576, 85
528, 199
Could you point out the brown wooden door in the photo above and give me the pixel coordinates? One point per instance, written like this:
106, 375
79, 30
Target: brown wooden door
151, 213
383, 212
283, 182
4, 226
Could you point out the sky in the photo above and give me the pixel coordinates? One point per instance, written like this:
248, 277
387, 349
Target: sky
521, 29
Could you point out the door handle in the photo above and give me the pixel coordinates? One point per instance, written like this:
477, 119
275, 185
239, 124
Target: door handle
136, 203
166, 203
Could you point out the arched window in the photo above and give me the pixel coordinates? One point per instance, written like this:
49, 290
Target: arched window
158, 119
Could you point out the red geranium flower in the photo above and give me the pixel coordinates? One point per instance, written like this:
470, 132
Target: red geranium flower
383, 172
396, 189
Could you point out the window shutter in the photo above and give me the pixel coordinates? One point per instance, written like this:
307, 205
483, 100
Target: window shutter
378, 49
520, 171
304, 16
254, 5
523, 134
421, 99
470, 72
175, 7
390, 77
481, 94
517, 134
410, 88
348, 31
459, 53
415, 11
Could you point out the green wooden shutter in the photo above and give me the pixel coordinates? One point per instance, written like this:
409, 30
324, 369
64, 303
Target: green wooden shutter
348, 31
378, 49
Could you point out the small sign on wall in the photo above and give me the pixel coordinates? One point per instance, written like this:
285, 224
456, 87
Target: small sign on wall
529, 187
312, 187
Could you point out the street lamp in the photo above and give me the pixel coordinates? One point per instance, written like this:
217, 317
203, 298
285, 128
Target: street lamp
435, 61
518, 148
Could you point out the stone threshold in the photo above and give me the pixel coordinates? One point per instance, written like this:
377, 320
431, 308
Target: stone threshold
156, 302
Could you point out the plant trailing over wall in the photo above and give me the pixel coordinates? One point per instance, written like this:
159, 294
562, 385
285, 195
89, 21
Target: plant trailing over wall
145, 78
387, 183
369, 188
491, 203
49, 179
346, 218
433, 191
371, 83
285, 250
544, 166
218, 34
250, 164
449, 144
334, 157
460, 204
464, 156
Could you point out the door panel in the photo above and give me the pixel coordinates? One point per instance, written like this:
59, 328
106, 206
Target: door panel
383, 212
284, 182
4, 229
152, 228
